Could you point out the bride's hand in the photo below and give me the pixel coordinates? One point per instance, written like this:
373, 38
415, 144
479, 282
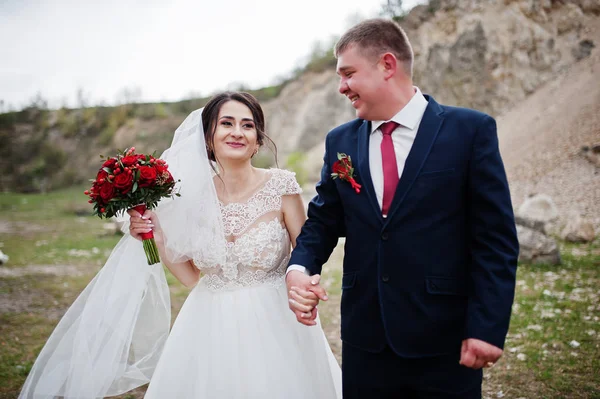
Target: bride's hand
145, 223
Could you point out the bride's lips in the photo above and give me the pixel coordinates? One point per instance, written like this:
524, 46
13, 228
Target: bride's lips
235, 145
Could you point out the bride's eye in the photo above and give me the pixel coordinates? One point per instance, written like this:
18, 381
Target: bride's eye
249, 126
226, 123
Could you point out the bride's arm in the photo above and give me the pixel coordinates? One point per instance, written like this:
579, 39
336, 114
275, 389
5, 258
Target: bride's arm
294, 215
185, 272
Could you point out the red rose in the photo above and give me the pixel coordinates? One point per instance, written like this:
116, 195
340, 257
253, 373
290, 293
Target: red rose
160, 169
123, 182
340, 169
343, 170
163, 172
106, 191
109, 163
147, 176
101, 175
129, 160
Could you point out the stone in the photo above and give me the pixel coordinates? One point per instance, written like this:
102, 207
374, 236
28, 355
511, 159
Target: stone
536, 247
578, 230
539, 208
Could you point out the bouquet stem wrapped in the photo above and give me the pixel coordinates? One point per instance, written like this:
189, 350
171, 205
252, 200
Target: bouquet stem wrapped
150, 247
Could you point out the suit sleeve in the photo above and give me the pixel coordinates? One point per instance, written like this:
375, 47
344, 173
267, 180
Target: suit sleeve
325, 223
493, 240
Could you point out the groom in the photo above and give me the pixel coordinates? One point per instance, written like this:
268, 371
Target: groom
431, 247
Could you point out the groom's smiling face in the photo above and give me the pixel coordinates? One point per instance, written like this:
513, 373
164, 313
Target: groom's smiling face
360, 81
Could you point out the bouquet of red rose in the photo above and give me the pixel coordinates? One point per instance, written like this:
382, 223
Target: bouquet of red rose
132, 181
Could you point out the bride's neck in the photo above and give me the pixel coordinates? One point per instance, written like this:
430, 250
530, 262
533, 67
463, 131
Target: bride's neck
238, 178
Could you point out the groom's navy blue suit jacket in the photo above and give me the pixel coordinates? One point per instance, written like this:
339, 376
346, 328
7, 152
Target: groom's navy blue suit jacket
441, 267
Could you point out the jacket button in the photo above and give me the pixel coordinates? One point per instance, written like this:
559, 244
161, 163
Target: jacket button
384, 236
385, 278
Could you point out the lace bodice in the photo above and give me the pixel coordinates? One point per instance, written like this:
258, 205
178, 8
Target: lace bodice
258, 244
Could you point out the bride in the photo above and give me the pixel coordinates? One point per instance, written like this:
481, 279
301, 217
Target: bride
228, 236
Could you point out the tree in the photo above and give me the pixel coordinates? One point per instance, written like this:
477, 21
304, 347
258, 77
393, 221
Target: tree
393, 9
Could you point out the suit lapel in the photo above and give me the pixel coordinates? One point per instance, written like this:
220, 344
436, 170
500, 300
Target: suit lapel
364, 172
426, 135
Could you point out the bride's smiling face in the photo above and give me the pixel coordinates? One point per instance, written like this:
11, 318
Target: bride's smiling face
235, 136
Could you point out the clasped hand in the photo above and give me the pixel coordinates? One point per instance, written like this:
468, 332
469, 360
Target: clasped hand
304, 294
139, 224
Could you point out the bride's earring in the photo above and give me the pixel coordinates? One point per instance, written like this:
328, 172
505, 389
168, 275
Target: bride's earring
255, 152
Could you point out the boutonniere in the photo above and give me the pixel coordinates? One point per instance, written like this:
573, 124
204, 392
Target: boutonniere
343, 169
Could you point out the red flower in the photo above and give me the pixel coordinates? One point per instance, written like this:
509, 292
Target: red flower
109, 163
343, 170
160, 169
102, 175
164, 176
119, 179
129, 160
123, 182
106, 191
340, 170
147, 176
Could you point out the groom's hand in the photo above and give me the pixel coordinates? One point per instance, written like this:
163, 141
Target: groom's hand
304, 293
476, 354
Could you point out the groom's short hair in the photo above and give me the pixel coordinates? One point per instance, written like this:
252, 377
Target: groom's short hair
375, 37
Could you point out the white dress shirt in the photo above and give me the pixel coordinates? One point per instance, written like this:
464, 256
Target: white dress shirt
408, 119
403, 137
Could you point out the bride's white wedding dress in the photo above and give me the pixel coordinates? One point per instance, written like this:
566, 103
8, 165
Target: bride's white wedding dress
235, 336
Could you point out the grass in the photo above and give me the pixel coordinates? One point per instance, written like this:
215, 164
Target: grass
552, 350
42, 229
553, 346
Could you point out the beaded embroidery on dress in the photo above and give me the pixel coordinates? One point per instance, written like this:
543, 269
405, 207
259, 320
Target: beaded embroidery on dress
258, 244
235, 336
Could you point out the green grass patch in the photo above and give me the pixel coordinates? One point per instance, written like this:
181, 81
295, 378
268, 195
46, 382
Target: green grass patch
52, 229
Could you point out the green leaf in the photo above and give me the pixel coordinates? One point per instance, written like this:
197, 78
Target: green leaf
135, 187
107, 170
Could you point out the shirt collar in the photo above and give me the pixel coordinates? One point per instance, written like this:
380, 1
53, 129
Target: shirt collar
410, 115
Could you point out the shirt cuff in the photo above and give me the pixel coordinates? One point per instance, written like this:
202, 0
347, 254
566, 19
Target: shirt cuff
298, 268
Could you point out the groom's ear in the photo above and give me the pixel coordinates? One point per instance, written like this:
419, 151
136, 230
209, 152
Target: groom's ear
389, 64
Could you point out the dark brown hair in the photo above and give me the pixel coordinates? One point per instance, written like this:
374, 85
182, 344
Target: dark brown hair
377, 36
210, 115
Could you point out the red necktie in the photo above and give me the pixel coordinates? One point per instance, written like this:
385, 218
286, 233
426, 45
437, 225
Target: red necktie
390, 167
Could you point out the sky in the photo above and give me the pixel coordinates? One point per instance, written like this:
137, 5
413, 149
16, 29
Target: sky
159, 50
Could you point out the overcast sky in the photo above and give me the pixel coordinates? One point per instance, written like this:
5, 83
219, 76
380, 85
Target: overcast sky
168, 49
